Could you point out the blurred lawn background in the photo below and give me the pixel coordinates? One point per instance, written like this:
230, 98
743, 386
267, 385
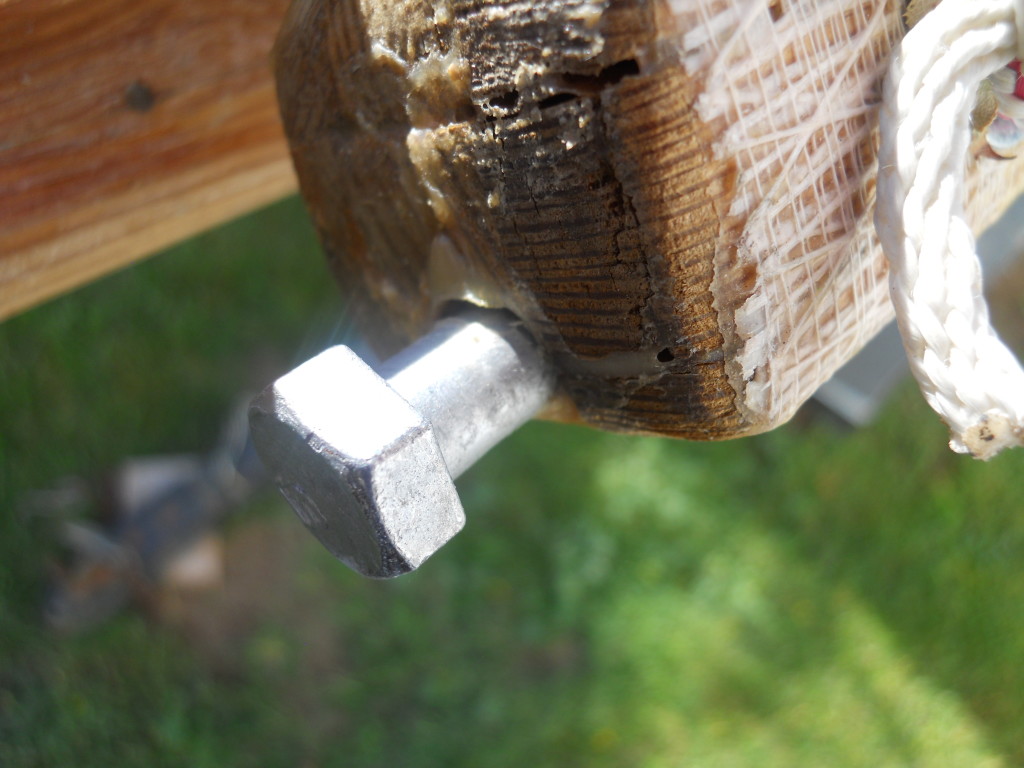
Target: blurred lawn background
804, 598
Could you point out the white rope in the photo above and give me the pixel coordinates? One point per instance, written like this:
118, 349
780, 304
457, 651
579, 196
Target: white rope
966, 373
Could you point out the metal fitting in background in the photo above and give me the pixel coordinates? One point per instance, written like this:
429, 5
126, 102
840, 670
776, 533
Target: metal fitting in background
368, 460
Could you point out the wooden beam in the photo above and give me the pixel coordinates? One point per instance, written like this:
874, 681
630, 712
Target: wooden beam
126, 126
675, 196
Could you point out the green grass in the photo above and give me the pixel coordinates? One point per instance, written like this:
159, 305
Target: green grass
803, 598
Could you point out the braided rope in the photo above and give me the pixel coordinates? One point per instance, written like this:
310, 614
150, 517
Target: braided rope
966, 373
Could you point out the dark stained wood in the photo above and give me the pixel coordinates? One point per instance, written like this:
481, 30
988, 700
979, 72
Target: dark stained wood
127, 125
518, 156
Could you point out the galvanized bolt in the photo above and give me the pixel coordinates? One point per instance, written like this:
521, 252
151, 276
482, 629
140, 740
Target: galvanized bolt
368, 460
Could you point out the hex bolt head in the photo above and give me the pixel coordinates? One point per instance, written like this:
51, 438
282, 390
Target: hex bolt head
362, 469
369, 464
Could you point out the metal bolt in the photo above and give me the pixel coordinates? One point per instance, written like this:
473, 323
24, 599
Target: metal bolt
368, 460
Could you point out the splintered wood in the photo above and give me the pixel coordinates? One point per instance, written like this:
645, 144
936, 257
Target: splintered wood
675, 195
126, 126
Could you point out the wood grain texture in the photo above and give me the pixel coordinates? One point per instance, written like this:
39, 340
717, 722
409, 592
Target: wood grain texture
126, 126
541, 157
674, 195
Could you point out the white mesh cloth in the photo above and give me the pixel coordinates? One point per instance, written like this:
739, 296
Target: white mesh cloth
792, 91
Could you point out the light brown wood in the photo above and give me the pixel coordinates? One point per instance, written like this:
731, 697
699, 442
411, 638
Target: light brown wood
125, 126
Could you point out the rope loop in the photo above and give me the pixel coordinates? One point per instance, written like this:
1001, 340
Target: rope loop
967, 375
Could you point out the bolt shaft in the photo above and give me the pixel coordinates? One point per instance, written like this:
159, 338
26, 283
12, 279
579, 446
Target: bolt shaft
475, 377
